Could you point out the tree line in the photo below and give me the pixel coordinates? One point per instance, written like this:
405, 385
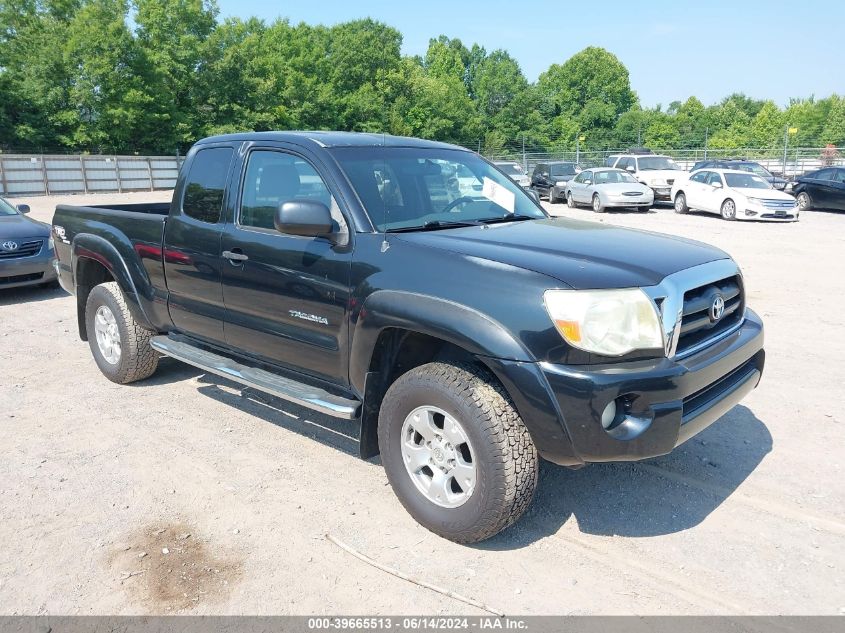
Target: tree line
153, 76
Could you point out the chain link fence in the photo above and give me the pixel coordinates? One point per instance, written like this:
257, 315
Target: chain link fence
793, 163
45, 174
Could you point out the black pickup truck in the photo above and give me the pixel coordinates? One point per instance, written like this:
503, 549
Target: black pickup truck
466, 332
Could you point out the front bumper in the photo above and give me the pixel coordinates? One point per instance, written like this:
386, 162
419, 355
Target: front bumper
761, 213
646, 200
27, 271
662, 192
668, 400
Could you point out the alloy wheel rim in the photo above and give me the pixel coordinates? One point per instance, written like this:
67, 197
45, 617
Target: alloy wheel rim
679, 202
569, 201
803, 201
107, 334
729, 209
438, 456
596, 203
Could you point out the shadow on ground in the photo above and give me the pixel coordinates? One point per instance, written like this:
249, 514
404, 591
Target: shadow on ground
659, 496
29, 294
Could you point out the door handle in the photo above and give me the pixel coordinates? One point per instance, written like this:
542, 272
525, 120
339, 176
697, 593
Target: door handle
235, 256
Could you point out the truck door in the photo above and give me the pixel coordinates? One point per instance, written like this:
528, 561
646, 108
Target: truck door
286, 296
192, 263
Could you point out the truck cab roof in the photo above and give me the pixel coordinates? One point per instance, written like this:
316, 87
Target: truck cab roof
326, 139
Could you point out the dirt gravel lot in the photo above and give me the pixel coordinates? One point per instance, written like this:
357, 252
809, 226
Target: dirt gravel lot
188, 494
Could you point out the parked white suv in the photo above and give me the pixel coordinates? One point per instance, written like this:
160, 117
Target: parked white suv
656, 171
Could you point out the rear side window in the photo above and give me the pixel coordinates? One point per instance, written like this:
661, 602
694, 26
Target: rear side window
206, 183
823, 174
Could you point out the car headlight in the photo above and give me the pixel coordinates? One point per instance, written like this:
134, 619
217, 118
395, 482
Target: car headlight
50, 243
657, 181
607, 322
561, 183
755, 200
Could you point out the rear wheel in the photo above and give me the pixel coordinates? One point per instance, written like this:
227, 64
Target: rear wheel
729, 209
120, 346
598, 207
805, 203
456, 452
681, 203
553, 199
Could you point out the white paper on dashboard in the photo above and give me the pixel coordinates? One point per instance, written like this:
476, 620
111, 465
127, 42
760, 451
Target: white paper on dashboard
498, 194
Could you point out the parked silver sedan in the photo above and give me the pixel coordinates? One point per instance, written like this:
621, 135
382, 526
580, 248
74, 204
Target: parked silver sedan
605, 187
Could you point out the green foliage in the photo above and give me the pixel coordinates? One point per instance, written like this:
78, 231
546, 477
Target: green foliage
155, 75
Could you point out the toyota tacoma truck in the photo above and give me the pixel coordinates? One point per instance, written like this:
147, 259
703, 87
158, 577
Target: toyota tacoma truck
467, 335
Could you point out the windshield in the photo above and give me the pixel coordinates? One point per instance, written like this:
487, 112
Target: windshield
511, 169
407, 188
610, 177
746, 181
650, 163
754, 168
6, 208
567, 169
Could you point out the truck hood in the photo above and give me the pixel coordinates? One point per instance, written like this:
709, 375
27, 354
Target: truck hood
577, 253
14, 227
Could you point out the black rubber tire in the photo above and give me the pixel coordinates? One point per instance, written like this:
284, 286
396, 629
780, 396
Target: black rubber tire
682, 198
506, 459
809, 201
137, 359
553, 199
570, 201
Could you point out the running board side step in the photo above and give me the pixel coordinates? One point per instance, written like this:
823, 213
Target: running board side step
284, 388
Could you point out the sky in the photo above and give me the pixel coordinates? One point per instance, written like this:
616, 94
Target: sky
672, 49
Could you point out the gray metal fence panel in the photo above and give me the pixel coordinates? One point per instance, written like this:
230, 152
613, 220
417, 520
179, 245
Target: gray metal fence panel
24, 174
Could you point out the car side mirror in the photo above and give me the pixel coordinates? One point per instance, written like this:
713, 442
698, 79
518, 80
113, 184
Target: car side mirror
630, 168
307, 218
717, 185
23, 208
588, 182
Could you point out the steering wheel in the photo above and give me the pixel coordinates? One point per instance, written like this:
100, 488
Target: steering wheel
461, 200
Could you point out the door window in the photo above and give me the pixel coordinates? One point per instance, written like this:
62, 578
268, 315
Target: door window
700, 176
714, 178
206, 183
274, 177
624, 163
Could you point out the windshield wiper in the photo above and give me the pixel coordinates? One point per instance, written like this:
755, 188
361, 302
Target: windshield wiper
508, 218
433, 225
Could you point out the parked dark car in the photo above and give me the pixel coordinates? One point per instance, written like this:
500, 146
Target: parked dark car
26, 248
821, 189
464, 335
550, 179
743, 165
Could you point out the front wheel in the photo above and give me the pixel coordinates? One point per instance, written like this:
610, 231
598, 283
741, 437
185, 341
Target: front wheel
805, 203
456, 452
729, 209
570, 201
681, 203
598, 207
120, 346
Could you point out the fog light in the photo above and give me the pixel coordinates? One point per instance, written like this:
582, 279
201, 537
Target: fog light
608, 416
750, 212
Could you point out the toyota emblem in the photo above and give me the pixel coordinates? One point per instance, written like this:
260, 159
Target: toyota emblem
10, 246
717, 308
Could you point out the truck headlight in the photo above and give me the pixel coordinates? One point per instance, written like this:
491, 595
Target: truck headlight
658, 181
607, 322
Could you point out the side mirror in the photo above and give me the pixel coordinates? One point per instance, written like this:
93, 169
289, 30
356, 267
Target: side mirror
588, 182
23, 208
307, 218
630, 168
716, 185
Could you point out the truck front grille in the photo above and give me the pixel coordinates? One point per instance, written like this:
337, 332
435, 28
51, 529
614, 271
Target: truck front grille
27, 249
698, 323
